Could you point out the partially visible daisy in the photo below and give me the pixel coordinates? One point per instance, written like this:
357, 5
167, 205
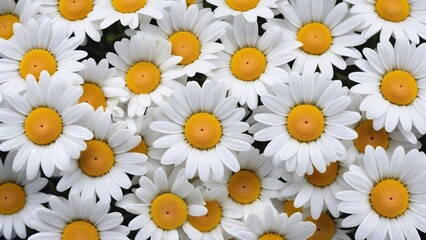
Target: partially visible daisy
198, 3
203, 129
266, 223
76, 16
250, 63
129, 13
221, 218
192, 33
102, 166
393, 80
254, 185
163, 205
77, 218
101, 87
286, 205
397, 18
306, 121
42, 126
37, 47
387, 196
12, 12
326, 30
18, 199
250, 9
328, 227
147, 69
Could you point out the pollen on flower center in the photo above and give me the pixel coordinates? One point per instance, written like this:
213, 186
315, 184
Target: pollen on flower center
244, 187
12, 198
305, 123
315, 37
128, 6
209, 221
140, 148
143, 78
242, 5
35, 61
325, 227
248, 64
399, 87
75, 9
289, 208
271, 236
389, 198
80, 230
186, 45
324, 179
393, 10
169, 211
6, 25
43, 126
203, 130
97, 159
93, 95
367, 135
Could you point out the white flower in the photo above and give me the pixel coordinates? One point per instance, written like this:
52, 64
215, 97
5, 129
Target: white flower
250, 9
12, 12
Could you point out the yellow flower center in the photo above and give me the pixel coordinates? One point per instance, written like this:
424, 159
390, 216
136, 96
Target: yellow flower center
399, 87
186, 45
325, 227
368, 136
128, 6
271, 236
393, 10
244, 187
389, 198
35, 61
203, 130
12, 198
324, 179
43, 126
315, 37
80, 230
6, 25
143, 78
305, 123
97, 159
209, 221
169, 211
289, 208
75, 9
141, 148
93, 95
242, 5
189, 2
248, 64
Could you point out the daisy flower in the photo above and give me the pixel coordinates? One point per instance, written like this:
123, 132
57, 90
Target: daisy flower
130, 13
286, 205
37, 47
203, 128
12, 12
193, 34
326, 30
328, 227
147, 69
250, 63
397, 18
163, 206
101, 87
387, 196
250, 9
42, 126
266, 223
393, 82
18, 199
222, 216
76, 16
102, 166
78, 218
254, 185
306, 121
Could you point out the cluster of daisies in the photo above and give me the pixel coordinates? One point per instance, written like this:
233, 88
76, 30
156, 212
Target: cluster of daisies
222, 119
